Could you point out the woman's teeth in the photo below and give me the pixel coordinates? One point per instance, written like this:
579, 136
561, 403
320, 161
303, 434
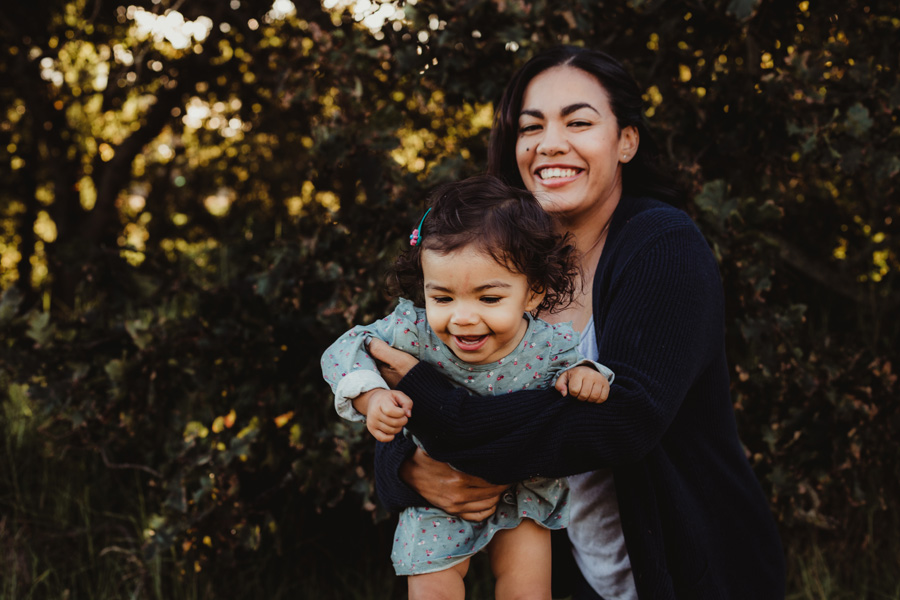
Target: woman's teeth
554, 173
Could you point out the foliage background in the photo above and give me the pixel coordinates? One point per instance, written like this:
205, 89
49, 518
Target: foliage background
198, 196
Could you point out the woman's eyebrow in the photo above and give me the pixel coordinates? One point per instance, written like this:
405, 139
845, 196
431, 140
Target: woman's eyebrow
532, 112
568, 110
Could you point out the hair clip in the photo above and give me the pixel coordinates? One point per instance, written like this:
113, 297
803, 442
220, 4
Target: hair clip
415, 237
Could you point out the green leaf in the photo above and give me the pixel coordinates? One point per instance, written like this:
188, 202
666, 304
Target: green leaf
115, 370
9, 304
858, 120
39, 328
742, 9
712, 196
137, 329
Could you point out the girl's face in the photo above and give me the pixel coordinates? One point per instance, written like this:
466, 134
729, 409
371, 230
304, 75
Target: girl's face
475, 305
569, 149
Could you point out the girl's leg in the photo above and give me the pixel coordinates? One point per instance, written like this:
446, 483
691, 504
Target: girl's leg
440, 585
520, 559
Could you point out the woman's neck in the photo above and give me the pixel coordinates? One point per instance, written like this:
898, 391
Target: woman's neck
590, 229
590, 232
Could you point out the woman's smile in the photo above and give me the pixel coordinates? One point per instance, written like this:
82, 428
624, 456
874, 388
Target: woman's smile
554, 176
569, 144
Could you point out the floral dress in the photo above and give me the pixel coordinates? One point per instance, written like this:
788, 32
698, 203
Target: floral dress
428, 539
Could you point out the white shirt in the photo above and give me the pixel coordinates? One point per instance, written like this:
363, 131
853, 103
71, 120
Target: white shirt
595, 530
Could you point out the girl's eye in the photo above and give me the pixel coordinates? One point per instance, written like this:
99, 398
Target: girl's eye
441, 300
490, 300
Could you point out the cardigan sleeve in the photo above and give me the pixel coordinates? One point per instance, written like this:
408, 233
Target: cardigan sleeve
393, 493
662, 325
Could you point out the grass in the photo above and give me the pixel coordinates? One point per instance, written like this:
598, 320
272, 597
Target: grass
812, 577
70, 528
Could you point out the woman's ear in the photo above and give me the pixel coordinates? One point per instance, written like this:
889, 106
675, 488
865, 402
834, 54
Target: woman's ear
629, 140
537, 296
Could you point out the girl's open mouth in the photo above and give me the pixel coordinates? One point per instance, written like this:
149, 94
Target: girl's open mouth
470, 343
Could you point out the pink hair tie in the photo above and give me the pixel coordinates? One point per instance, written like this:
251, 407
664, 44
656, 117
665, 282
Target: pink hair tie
415, 237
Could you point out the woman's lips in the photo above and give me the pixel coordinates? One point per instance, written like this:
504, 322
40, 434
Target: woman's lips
557, 176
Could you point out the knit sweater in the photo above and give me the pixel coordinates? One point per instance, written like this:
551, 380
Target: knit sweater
695, 520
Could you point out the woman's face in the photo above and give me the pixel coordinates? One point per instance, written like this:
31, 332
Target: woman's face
569, 149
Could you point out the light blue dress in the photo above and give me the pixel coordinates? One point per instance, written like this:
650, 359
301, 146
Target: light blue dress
428, 539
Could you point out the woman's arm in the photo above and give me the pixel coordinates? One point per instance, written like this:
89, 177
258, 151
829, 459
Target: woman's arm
393, 492
406, 476
661, 325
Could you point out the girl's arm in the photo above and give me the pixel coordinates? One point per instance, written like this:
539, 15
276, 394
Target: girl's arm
662, 326
349, 369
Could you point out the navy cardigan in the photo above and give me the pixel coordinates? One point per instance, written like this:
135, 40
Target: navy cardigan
695, 519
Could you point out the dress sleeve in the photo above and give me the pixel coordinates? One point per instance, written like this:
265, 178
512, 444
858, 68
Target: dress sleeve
347, 366
662, 327
586, 362
570, 357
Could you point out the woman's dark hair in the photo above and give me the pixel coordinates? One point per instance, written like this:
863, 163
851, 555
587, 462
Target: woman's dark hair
507, 224
640, 176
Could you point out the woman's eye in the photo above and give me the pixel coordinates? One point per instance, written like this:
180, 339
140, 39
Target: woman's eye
529, 128
579, 124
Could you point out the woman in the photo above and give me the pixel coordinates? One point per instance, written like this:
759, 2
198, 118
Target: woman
664, 502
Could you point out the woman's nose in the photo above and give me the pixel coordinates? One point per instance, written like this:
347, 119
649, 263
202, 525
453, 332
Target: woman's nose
553, 141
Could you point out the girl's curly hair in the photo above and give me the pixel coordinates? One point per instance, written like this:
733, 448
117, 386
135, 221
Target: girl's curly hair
507, 224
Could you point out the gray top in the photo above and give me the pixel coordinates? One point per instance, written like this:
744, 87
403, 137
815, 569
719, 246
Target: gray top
595, 529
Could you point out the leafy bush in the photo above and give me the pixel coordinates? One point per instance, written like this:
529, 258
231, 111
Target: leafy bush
185, 228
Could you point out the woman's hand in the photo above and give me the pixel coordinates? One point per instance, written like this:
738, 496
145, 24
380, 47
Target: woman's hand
466, 496
393, 364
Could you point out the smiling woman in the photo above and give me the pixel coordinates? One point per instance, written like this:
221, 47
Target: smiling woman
664, 503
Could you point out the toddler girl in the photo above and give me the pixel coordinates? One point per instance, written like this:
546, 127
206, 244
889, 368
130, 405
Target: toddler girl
484, 260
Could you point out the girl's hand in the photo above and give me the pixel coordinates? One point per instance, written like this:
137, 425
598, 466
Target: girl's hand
583, 383
393, 364
388, 411
466, 496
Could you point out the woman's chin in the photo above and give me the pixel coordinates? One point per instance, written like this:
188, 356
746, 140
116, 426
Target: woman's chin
551, 201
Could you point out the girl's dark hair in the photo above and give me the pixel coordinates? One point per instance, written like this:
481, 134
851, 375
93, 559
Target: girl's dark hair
505, 223
640, 176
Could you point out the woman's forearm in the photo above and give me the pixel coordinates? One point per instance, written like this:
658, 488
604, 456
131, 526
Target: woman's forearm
656, 349
523, 434
394, 494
